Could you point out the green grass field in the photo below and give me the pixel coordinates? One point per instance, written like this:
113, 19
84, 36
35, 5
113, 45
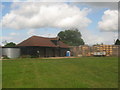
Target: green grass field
84, 72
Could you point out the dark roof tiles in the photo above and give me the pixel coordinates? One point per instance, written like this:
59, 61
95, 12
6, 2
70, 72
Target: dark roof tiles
42, 41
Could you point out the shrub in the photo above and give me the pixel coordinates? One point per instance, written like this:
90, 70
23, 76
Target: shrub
5, 57
34, 56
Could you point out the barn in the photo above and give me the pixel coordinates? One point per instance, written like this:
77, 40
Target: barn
43, 47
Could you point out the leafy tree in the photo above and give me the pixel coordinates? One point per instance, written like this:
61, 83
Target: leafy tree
11, 44
71, 37
117, 42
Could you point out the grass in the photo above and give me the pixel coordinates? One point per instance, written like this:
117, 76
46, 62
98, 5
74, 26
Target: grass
85, 72
0, 74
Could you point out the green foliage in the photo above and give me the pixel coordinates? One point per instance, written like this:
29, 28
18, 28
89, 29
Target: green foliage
83, 72
117, 42
11, 44
34, 56
5, 57
71, 37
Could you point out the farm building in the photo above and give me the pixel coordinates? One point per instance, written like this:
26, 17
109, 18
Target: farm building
95, 50
43, 47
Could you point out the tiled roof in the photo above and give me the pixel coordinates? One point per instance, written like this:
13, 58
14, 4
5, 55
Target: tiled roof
42, 41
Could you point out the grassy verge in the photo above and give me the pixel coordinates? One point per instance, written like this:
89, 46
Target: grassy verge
85, 72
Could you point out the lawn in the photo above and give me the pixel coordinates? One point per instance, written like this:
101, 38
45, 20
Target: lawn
84, 72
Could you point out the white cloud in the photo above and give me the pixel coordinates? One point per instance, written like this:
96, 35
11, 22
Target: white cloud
99, 5
37, 15
48, 35
14, 34
13, 38
31, 32
91, 38
59, 15
7, 38
1, 6
109, 21
60, 0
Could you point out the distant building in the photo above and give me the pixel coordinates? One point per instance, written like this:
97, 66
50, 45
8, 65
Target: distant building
103, 50
85, 50
82, 50
111, 50
116, 50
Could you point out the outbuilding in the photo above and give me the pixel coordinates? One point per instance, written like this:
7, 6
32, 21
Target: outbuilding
43, 47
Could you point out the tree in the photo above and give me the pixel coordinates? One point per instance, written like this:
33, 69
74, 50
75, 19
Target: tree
11, 44
117, 42
71, 37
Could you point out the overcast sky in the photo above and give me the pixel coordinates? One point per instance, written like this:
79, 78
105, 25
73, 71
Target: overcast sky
97, 21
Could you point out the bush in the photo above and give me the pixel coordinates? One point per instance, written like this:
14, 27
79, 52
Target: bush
5, 57
34, 56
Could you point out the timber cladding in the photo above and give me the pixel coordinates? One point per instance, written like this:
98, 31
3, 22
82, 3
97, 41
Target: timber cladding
43, 47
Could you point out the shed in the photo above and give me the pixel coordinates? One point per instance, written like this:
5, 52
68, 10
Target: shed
43, 47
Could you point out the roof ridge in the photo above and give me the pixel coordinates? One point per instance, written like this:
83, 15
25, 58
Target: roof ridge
44, 37
40, 41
